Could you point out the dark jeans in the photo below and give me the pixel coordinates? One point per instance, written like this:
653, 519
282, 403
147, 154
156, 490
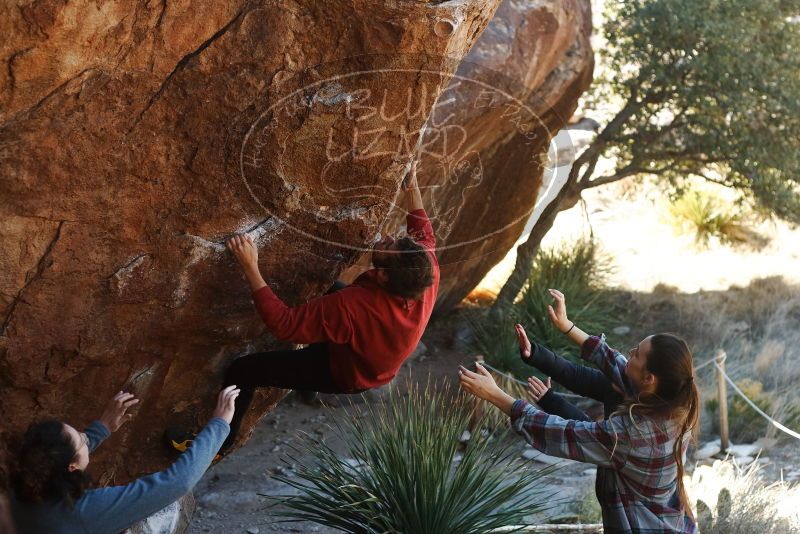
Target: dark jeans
305, 369
580, 379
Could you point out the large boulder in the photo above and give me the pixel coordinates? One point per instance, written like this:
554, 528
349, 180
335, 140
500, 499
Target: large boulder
484, 148
136, 136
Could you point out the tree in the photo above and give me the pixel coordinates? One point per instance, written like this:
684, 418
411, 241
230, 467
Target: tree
706, 88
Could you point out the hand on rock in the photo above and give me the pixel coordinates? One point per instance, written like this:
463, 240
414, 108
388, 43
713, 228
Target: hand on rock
244, 250
410, 181
226, 403
115, 414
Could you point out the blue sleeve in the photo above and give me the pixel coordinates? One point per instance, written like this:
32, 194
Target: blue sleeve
116, 508
97, 433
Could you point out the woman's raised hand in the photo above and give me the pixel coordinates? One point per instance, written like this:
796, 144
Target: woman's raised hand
524, 342
537, 389
480, 383
226, 403
558, 314
115, 414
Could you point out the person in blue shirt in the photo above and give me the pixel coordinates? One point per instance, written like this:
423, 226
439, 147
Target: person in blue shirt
51, 491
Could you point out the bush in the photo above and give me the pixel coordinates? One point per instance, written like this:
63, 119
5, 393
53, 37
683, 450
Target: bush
708, 216
580, 271
404, 475
745, 424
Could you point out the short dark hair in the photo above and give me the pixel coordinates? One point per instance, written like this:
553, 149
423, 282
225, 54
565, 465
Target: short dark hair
409, 269
41, 470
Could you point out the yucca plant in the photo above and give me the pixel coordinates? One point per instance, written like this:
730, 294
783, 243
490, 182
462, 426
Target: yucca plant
580, 271
403, 473
709, 216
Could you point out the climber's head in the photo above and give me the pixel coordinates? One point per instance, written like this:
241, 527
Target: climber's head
50, 464
404, 266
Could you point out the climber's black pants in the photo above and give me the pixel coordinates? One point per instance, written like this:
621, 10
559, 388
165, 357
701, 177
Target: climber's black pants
304, 369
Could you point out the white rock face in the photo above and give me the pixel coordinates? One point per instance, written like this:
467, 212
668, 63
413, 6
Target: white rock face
174, 519
708, 450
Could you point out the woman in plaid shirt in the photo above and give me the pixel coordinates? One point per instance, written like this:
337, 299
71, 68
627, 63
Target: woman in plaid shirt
640, 449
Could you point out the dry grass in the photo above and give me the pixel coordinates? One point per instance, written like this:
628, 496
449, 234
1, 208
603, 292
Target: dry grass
711, 218
734, 500
758, 326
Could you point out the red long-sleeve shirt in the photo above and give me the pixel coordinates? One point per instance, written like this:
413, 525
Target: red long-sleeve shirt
370, 332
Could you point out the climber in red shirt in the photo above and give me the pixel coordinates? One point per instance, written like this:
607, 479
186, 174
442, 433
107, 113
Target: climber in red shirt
357, 336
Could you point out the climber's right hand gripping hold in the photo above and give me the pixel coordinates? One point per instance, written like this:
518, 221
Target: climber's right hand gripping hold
246, 253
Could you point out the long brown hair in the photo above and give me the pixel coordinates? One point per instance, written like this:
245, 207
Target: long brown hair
41, 470
676, 396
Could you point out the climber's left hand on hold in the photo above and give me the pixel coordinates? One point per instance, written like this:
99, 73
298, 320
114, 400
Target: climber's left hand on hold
244, 249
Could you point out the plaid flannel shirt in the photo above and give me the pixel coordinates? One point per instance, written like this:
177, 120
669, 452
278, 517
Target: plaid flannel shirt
636, 478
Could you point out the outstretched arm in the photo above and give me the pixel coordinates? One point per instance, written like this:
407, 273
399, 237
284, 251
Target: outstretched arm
593, 349
580, 379
324, 318
602, 443
418, 224
246, 253
558, 316
116, 508
598, 443
411, 190
552, 402
114, 416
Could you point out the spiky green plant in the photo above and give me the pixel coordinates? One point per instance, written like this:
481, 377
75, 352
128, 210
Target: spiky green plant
403, 474
708, 216
580, 271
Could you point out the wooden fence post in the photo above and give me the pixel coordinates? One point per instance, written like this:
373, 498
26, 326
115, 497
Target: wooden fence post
722, 395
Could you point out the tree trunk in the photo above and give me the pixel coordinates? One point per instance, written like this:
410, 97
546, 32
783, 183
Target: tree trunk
526, 252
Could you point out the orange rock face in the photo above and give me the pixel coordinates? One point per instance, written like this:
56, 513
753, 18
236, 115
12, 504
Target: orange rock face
135, 138
483, 149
